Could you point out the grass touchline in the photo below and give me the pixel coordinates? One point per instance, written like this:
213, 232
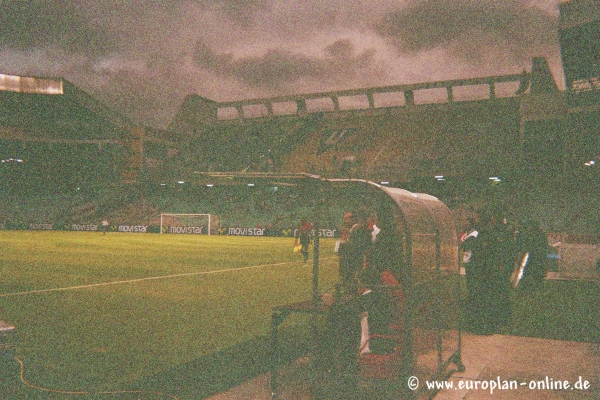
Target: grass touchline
145, 279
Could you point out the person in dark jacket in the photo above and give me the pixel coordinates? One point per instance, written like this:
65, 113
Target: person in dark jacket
344, 269
303, 236
492, 263
473, 271
359, 242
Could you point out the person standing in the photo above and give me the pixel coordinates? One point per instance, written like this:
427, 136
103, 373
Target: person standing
105, 226
492, 258
472, 270
359, 242
347, 223
303, 237
383, 297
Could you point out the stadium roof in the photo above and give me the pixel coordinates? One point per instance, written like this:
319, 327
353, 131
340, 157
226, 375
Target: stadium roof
276, 179
54, 109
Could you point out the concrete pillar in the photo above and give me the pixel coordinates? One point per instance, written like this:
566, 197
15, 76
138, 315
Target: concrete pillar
301, 106
409, 96
371, 100
336, 103
240, 111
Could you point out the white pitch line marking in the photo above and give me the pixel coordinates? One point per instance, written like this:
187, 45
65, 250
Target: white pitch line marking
146, 279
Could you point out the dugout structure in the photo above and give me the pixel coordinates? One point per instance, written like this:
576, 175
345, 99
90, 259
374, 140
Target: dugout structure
425, 260
200, 224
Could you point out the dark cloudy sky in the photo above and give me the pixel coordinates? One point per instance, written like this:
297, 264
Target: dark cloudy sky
143, 57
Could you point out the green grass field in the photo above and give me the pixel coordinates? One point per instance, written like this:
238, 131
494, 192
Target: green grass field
216, 297
186, 315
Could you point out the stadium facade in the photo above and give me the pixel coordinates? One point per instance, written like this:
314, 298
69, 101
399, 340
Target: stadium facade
514, 127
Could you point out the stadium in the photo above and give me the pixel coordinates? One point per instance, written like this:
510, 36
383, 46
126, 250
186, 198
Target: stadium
224, 177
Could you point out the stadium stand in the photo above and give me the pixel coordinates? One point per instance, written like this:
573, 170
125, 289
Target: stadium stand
516, 139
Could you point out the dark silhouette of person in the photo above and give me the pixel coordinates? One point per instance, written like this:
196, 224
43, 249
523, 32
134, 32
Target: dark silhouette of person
473, 272
359, 242
303, 236
492, 262
344, 270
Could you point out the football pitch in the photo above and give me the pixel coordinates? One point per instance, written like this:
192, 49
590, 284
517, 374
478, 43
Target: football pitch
98, 312
150, 316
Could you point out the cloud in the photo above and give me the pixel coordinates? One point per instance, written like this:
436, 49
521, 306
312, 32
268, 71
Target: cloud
147, 94
471, 29
242, 12
279, 67
26, 25
144, 57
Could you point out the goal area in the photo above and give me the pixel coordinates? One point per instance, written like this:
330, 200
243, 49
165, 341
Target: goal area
199, 224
